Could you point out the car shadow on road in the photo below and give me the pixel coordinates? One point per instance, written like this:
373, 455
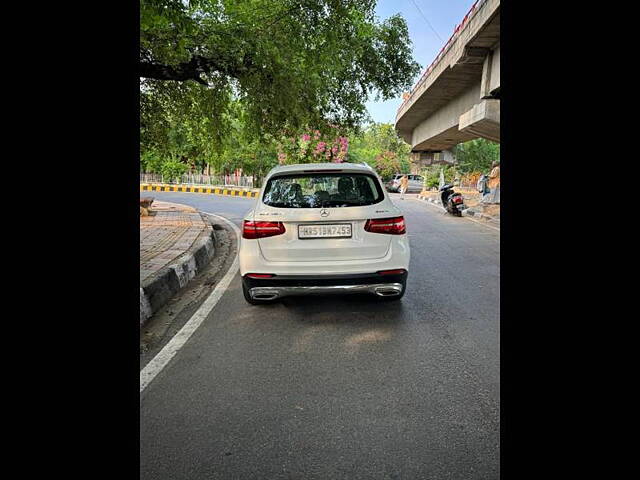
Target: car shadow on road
351, 323
354, 309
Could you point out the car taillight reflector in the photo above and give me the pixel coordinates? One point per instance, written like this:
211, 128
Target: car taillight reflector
397, 271
253, 230
391, 226
260, 275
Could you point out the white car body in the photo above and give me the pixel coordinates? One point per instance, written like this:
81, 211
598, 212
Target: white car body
324, 265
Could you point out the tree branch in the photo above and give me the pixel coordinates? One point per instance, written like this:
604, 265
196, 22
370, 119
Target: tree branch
194, 68
182, 72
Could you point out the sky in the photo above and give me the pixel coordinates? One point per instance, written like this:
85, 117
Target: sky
443, 15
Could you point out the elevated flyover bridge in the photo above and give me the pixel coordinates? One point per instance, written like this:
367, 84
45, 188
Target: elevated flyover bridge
458, 97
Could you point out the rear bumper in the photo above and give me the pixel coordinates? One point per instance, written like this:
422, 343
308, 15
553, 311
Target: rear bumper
288, 285
271, 293
252, 261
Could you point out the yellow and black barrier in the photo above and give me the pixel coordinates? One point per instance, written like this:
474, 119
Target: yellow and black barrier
164, 187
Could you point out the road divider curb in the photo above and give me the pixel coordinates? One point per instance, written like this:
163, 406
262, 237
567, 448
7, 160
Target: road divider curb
166, 187
159, 288
432, 200
472, 213
467, 212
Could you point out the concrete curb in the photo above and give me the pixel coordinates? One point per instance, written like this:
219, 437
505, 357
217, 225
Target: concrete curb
433, 201
232, 192
467, 212
158, 289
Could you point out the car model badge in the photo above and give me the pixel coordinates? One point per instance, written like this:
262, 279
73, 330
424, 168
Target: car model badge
324, 212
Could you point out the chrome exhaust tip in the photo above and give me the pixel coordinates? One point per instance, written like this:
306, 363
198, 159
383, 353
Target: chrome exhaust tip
263, 293
264, 296
388, 290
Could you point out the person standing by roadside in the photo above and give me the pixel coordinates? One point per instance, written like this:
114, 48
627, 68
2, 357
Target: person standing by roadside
494, 183
404, 184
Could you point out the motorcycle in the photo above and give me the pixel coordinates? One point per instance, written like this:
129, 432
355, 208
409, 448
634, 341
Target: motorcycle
451, 201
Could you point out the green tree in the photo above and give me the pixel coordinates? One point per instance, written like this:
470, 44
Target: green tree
380, 146
290, 62
387, 164
190, 125
476, 155
172, 170
151, 161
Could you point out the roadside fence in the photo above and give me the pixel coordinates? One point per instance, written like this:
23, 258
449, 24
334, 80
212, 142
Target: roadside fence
198, 179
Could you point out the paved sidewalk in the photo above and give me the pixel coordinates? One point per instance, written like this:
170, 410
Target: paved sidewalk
166, 235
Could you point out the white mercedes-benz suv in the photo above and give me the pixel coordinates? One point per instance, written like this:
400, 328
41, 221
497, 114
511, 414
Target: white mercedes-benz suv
323, 228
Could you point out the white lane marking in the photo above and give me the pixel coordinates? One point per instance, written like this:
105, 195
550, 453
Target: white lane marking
165, 355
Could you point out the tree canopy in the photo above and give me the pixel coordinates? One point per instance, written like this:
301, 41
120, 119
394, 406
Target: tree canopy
476, 155
380, 146
288, 65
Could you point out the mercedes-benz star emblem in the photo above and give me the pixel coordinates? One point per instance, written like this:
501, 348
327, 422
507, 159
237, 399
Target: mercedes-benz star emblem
324, 212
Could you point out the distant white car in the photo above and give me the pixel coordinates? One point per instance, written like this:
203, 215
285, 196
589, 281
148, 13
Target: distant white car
415, 183
322, 229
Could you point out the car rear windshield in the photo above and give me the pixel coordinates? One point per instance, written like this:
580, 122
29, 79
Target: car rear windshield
319, 190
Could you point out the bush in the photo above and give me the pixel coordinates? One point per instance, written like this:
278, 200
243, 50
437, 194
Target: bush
150, 162
432, 175
431, 179
172, 170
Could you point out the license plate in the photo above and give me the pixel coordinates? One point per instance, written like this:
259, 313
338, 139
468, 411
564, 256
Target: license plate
337, 230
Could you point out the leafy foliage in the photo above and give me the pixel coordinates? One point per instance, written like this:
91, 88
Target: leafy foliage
380, 146
477, 155
172, 170
314, 146
387, 164
151, 161
431, 175
178, 120
294, 62
223, 82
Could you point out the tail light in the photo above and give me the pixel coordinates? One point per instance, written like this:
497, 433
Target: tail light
457, 199
397, 271
253, 230
391, 226
260, 275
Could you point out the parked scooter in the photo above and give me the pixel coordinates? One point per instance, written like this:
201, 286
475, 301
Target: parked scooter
451, 201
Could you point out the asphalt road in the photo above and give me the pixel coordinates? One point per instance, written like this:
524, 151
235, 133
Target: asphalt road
340, 387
